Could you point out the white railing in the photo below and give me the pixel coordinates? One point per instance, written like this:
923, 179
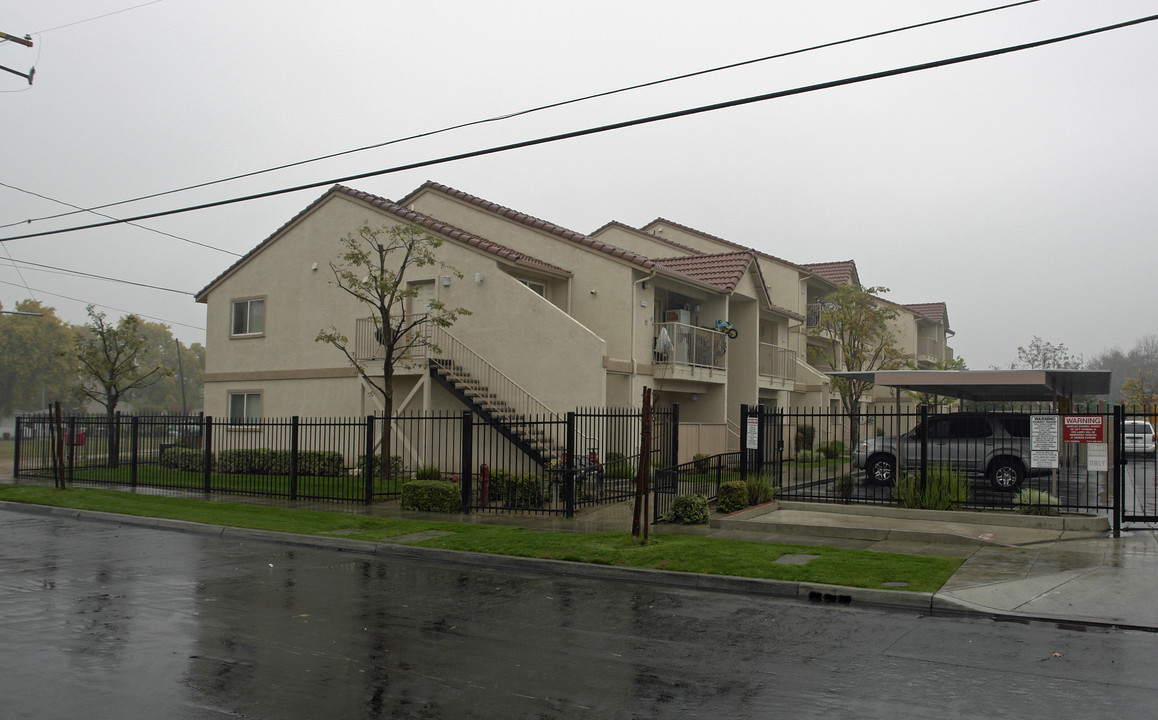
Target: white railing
777, 362
690, 346
433, 342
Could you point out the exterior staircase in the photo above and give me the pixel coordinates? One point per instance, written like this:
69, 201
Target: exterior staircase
525, 432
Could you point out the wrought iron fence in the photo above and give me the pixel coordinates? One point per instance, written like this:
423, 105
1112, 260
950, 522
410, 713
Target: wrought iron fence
538, 464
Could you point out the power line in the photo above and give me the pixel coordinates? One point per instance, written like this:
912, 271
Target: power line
97, 17
94, 212
109, 307
96, 277
609, 127
529, 111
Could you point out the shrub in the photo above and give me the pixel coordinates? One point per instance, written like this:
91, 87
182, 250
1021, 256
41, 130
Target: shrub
178, 458
428, 472
516, 491
246, 462
832, 450
6, 436
689, 510
945, 489
376, 465
805, 435
431, 496
760, 490
805, 456
1036, 502
701, 463
617, 466
321, 463
844, 485
733, 496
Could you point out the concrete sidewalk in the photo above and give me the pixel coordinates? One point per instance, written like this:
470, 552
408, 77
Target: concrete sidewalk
1063, 569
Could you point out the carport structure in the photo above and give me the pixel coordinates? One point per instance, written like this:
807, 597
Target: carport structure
1059, 388
996, 386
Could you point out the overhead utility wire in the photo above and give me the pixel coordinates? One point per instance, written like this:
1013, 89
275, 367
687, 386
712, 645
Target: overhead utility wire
613, 126
97, 277
110, 307
94, 212
98, 17
529, 111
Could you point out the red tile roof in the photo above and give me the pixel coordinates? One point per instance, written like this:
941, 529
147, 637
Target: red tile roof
723, 271
535, 223
838, 273
436, 226
650, 236
719, 240
937, 312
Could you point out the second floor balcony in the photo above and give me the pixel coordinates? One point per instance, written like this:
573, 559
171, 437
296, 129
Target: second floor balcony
690, 348
777, 364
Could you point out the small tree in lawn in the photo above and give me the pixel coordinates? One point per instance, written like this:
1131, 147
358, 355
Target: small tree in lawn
857, 324
114, 360
373, 269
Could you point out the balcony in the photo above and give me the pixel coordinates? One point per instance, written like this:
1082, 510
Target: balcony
368, 342
929, 350
776, 363
690, 349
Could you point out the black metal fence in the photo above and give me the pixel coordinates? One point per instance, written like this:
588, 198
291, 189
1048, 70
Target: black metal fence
550, 465
885, 457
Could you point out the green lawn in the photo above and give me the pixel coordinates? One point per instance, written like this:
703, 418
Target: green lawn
7, 449
687, 553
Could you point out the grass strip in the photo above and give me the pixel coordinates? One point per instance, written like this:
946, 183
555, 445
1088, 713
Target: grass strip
684, 553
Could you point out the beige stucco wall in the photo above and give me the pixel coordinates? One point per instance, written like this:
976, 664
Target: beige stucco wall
513, 328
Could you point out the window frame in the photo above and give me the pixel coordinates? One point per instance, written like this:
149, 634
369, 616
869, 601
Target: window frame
248, 316
244, 420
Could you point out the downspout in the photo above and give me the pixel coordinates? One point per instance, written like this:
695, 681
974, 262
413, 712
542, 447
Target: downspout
634, 368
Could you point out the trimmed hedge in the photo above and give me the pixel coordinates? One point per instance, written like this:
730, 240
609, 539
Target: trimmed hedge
732, 497
179, 458
689, 510
431, 496
515, 491
376, 465
261, 461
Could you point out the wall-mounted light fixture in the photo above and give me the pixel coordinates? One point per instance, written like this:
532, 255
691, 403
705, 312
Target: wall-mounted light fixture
446, 281
478, 277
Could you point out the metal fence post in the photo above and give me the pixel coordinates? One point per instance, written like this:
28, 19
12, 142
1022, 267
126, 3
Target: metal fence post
924, 449
569, 472
16, 450
467, 458
744, 440
1119, 469
134, 427
71, 438
293, 468
368, 465
760, 444
207, 458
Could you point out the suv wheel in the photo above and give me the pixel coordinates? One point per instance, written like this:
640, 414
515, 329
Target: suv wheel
881, 468
1006, 474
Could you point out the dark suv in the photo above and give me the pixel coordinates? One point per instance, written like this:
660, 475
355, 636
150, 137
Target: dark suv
994, 444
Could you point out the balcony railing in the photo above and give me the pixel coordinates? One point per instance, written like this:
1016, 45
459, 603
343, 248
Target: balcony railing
368, 341
928, 347
683, 345
777, 362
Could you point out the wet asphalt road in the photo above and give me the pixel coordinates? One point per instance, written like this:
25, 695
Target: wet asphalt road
112, 621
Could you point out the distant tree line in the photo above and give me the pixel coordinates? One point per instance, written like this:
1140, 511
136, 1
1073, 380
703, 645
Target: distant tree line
131, 361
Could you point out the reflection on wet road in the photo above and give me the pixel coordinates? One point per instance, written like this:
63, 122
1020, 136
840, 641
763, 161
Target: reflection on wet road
102, 620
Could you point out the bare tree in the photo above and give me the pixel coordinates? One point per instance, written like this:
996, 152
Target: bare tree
373, 269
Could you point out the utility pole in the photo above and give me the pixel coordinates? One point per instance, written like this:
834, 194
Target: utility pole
27, 42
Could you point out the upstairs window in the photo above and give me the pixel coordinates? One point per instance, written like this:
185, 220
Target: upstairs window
244, 408
538, 288
249, 317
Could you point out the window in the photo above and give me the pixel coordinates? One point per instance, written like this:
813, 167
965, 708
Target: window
249, 317
538, 288
244, 408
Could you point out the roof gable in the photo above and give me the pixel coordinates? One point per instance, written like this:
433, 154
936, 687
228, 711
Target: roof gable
390, 208
842, 272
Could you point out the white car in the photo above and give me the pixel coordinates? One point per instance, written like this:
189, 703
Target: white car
1139, 437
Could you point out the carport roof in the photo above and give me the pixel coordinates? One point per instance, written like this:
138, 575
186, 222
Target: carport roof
991, 385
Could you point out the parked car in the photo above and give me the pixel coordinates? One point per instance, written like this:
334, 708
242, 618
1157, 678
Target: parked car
996, 445
1139, 437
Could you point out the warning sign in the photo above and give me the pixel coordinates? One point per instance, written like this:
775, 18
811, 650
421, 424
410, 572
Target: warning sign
1082, 429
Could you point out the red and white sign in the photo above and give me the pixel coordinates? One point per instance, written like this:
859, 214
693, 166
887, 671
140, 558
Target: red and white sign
1082, 429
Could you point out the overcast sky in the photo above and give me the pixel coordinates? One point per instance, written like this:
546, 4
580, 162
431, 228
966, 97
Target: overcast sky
1017, 189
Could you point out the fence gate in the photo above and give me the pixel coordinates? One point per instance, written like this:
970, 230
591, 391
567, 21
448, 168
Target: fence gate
1136, 469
